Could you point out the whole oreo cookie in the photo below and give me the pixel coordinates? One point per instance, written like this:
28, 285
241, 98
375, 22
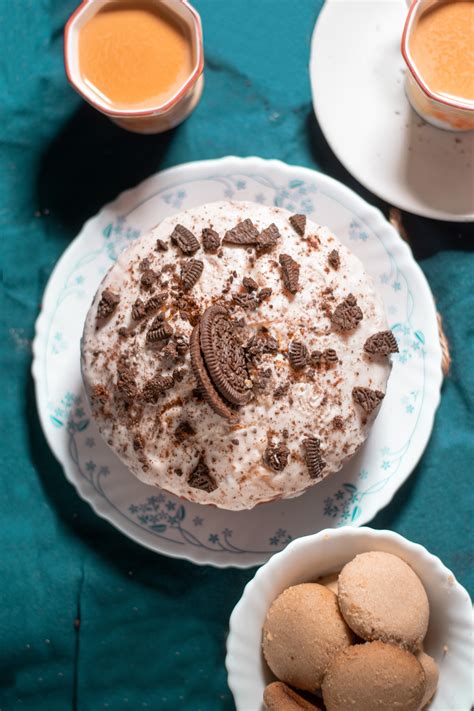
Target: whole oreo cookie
207, 389
224, 356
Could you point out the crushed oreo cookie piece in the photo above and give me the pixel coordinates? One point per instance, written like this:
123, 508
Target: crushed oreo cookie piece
347, 314
183, 431
184, 239
148, 279
326, 357
138, 310
124, 332
161, 246
169, 352
182, 344
334, 259
312, 456
189, 309
381, 343
107, 304
267, 239
200, 478
210, 240
298, 355
178, 374
276, 456
190, 273
298, 222
159, 330
250, 284
144, 265
156, 387
126, 386
290, 272
264, 294
155, 302
260, 343
248, 302
281, 390
224, 356
367, 399
244, 233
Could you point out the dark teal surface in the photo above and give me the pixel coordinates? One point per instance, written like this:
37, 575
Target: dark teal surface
88, 619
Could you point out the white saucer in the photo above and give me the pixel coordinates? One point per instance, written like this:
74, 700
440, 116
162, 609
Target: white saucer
204, 534
357, 79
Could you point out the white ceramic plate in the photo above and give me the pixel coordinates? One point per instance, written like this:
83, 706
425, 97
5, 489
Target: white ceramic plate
357, 78
449, 633
203, 534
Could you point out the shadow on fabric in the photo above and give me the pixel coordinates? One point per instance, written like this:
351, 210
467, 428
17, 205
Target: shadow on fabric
90, 162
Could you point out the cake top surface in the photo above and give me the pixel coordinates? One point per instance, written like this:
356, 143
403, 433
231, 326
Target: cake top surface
235, 354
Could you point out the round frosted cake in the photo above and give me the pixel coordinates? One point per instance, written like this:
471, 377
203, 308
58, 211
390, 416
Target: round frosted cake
236, 354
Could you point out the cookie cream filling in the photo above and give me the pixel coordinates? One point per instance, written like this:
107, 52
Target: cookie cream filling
301, 307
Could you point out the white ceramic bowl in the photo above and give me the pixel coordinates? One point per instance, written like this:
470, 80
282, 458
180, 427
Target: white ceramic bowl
449, 638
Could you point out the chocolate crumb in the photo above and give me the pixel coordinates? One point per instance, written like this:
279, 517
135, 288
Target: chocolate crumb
178, 471
276, 456
161, 246
183, 431
298, 222
235, 442
124, 332
381, 343
250, 284
138, 443
210, 240
281, 390
100, 393
107, 304
200, 478
347, 314
178, 374
290, 272
184, 239
334, 259
144, 265
148, 279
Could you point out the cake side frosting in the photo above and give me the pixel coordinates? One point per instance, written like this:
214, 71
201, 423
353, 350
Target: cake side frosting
312, 386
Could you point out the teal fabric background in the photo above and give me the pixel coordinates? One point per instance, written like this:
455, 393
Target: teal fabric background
88, 619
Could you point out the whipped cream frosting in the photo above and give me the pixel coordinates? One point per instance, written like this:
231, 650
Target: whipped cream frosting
163, 442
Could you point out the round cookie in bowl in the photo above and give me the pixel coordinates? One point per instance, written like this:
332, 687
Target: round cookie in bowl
236, 354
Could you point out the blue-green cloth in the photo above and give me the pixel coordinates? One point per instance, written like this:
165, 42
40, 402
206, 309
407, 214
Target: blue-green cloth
88, 619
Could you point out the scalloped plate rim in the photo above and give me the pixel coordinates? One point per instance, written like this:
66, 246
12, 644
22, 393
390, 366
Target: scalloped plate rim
372, 216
